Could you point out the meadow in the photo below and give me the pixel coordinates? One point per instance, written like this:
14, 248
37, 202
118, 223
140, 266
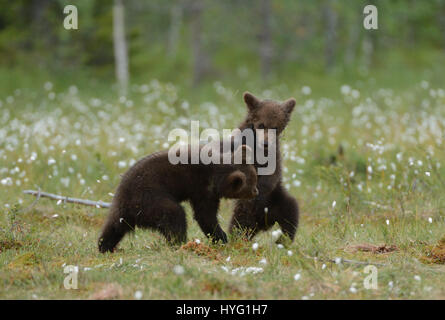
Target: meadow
366, 162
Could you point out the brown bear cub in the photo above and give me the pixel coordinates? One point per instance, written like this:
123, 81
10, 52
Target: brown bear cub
151, 191
274, 203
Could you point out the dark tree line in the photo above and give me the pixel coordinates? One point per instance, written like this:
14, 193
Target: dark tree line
203, 39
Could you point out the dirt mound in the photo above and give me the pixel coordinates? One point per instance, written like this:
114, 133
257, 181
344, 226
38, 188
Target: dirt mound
201, 250
435, 253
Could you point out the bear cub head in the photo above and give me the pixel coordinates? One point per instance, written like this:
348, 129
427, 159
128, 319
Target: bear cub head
267, 114
239, 180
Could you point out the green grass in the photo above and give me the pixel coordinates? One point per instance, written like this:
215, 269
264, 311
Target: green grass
93, 137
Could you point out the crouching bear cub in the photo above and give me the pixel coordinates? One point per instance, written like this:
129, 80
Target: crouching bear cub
274, 204
151, 191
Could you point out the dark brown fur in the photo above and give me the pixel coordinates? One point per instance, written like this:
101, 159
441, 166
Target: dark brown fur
151, 191
251, 216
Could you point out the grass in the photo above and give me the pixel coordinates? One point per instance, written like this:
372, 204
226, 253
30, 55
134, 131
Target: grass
384, 188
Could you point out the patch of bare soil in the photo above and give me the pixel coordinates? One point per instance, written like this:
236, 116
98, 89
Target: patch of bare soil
201, 250
107, 292
435, 253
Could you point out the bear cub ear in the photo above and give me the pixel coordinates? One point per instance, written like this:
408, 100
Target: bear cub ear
251, 101
288, 105
235, 182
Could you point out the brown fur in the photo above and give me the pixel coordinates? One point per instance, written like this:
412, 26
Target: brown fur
151, 191
251, 216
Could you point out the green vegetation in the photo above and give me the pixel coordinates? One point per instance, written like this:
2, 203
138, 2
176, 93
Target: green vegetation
386, 185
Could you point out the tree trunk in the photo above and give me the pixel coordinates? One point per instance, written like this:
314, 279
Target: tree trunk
175, 25
120, 47
201, 61
441, 18
353, 40
265, 38
330, 17
369, 45
368, 51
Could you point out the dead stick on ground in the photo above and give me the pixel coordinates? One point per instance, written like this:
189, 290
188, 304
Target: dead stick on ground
39, 194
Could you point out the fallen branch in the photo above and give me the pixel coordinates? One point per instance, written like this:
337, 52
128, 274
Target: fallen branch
39, 194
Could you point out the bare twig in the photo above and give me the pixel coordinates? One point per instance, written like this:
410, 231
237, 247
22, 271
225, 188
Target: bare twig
35, 201
97, 204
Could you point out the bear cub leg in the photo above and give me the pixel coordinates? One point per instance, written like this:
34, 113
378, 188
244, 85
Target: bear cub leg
166, 216
205, 213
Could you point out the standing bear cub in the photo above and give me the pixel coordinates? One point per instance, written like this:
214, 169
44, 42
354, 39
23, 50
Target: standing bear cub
273, 204
151, 191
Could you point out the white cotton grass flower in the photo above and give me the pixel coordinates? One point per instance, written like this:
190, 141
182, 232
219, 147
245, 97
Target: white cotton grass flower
254, 270
179, 270
73, 90
387, 222
48, 86
427, 173
306, 90
297, 276
417, 278
242, 271
51, 161
334, 203
430, 220
280, 246
323, 266
276, 234
138, 295
263, 261
345, 89
289, 253
355, 94
337, 260
353, 290
6, 181
255, 246
197, 241
228, 259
